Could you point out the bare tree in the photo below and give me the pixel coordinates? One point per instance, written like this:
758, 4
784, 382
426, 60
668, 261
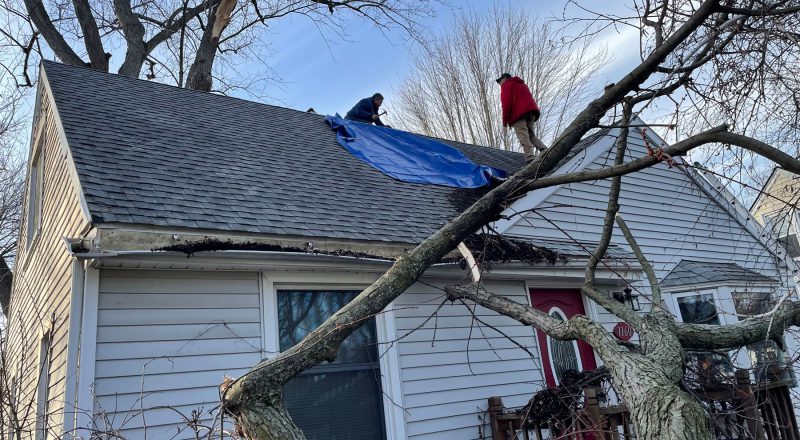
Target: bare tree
187, 43
678, 37
12, 174
451, 93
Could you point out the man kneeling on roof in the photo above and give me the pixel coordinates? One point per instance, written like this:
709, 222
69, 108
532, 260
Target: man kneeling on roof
366, 110
520, 111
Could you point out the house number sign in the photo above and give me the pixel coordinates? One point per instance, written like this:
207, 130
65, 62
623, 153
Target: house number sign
623, 331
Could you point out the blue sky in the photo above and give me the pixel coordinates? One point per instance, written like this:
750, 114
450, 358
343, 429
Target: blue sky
332, 75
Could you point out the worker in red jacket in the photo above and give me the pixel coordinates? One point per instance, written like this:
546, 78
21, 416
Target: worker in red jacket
520, 111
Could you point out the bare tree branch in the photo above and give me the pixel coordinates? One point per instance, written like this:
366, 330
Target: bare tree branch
54, 39
91, 35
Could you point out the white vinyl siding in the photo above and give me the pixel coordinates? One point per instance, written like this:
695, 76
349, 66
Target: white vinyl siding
446, 384
43, 271
170, 338
671, 217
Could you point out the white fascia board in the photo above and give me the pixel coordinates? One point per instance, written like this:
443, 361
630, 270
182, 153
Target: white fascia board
535, 198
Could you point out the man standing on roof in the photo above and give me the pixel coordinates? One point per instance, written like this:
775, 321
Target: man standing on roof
520, 111
366, 110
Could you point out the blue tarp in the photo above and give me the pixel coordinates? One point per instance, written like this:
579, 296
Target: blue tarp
410, 157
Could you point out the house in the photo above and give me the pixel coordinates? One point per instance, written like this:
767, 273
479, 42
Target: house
113, 327
776, 208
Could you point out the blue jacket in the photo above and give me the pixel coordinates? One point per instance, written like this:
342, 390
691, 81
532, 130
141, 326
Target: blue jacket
363, 111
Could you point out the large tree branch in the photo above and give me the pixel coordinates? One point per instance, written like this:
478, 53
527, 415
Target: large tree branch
173, 25
577, 327
646, 267
713, 135
565, 330
742, 333
54, 39
91, 35
133, 30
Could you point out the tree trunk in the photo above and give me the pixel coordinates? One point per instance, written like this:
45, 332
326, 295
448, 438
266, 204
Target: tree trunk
6, 281
668, 413
199, 77
267, 421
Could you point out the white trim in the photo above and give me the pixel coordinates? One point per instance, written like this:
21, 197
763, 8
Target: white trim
676, 295
269, 315
393, 406
75, 319
535, 331
574, 342
391, 384
88, 348
717, 284
62, 136
534, 198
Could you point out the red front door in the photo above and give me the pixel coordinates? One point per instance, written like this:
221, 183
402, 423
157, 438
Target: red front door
560, 356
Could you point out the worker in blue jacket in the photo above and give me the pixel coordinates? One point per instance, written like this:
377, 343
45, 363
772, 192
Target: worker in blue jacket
366, 110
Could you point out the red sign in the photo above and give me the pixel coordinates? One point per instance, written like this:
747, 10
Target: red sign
623, 331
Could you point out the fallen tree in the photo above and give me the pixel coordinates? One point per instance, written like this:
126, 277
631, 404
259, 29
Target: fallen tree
649, 380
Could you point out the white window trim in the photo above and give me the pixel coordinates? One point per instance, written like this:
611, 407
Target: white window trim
723, 301
721, 295
389, 362
35, 194
43, 384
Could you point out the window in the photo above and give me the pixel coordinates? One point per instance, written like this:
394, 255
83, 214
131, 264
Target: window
43, 387
35, 197
563, 354
704, 368
698, 309
334, 400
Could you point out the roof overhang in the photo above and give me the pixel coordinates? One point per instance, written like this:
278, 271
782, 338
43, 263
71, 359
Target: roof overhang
371, 268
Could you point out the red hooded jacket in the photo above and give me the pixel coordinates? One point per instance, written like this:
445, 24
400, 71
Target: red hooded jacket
517, 101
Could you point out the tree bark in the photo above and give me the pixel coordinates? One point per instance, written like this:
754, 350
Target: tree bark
91, 35
55, 40
199, 77
271, 421
133, 30
668, 413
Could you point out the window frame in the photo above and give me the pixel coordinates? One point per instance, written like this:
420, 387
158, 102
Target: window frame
723, 301
389, 361
35, 195
43, 384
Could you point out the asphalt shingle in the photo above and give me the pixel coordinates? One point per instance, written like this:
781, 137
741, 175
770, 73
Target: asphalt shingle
154, 154
688, 272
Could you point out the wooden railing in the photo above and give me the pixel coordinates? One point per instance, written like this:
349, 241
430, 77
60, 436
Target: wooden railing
594, 422
742, 411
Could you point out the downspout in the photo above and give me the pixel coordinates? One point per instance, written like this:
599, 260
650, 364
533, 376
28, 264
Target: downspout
71, 388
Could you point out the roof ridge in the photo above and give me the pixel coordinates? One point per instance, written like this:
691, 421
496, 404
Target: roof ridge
172, 87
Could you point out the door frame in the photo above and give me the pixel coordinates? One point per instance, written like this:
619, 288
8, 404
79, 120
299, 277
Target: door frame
589, 307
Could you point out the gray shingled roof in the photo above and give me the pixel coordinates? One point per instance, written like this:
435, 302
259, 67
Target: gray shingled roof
688, 272
152, 154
